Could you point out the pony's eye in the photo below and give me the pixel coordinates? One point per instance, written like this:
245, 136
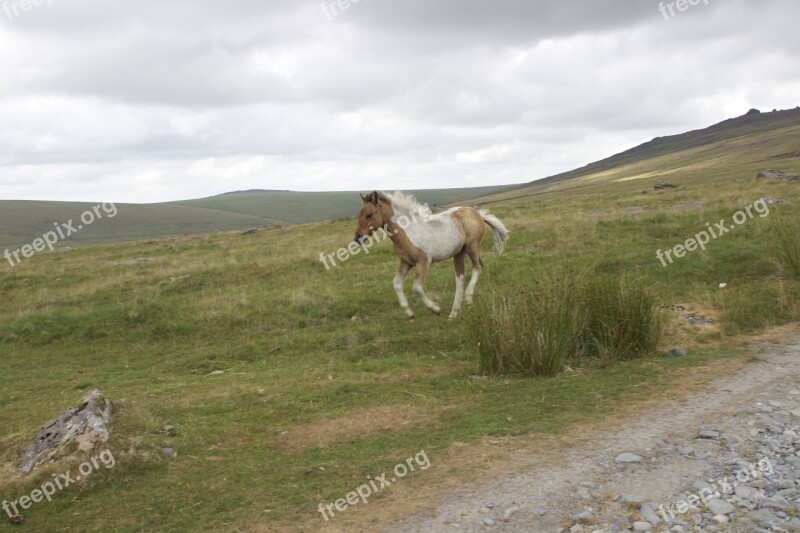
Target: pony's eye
369, 216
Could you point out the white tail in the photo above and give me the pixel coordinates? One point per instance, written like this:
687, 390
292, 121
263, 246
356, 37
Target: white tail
498, 229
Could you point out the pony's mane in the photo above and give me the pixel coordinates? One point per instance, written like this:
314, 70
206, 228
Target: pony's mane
407, 203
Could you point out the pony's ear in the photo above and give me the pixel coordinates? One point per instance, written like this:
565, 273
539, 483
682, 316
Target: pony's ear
363, 200
374, 197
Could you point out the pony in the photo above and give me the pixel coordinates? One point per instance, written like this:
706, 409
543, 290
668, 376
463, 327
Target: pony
422, 238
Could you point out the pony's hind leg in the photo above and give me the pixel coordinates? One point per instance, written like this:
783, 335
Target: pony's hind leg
399, 278
419, 287
477, 265
402, 272
458, 263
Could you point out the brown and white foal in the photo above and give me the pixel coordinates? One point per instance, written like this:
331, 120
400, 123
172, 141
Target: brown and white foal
422, 238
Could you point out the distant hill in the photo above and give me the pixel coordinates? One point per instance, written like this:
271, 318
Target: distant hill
23, 221
250, 191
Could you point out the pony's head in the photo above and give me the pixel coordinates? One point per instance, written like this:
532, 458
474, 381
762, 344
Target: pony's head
376, 212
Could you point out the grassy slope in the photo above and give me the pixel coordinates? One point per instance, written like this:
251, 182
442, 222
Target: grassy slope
747, 125
23, 221
263, 309
736, 149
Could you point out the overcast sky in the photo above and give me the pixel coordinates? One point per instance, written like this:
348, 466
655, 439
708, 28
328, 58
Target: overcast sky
151, 101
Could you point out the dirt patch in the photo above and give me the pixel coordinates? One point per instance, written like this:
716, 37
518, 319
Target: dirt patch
360, 424
679, 331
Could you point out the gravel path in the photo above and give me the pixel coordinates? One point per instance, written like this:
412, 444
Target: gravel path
732, 451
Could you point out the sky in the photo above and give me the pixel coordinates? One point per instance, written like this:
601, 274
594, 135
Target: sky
105, 100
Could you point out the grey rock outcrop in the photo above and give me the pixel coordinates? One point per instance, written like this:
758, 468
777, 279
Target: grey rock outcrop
84, 426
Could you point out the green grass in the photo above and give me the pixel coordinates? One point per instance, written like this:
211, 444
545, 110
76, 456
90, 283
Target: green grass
532, 331
564, 318
302, 347
787, 245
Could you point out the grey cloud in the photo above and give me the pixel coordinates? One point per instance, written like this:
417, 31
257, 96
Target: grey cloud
114, 96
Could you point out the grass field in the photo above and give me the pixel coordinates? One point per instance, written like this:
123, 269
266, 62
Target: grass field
324, 380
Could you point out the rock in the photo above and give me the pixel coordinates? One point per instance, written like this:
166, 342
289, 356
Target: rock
763, 515
748, 493
776, 502
629, 498
488, 522
642, 526
85, 425
661, 185
692, 205
250, 231
773, 201
753, 111
708, 434
717, 506
16, 520
701, 485
648, 514
170, 452
721, 519
511, 511
677, 352
732, 440
578, 517
696, 320
628, 458
169, 430
216, 373
776, 174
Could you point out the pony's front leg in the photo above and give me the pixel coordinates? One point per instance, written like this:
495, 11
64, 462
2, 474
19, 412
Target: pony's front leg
402, 272
419, 287
458, 263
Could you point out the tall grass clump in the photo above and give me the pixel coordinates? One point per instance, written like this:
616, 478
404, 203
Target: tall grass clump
623, 320
558, 320
533, 331
786, 246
